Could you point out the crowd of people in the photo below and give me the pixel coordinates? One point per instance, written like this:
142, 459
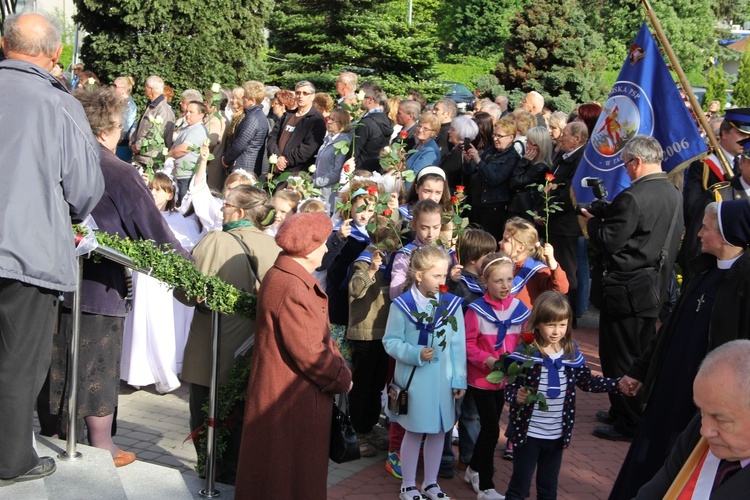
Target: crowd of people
344, 215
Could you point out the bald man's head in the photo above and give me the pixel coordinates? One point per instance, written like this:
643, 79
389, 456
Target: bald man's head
35, 38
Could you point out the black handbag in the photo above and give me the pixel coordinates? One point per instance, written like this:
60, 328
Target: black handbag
398, 397
344, 446
632, 293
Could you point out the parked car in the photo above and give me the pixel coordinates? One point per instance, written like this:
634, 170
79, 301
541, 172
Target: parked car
461, 94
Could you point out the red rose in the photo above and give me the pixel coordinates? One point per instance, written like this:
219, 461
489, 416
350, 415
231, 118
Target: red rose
347, 168
443, 288
454, 199
372, 190
549, 177
79, 238
403, 134
387, 212
460, 189
528, 337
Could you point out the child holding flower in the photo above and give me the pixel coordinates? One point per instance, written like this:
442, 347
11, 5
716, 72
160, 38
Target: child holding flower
540, 435
493, 327
425, 334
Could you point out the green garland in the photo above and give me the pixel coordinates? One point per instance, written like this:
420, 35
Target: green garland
176, 271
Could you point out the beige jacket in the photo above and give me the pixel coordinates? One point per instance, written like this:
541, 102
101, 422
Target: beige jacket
369, 302
219, 253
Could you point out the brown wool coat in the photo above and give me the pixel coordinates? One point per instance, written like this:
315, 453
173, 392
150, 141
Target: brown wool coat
296, 370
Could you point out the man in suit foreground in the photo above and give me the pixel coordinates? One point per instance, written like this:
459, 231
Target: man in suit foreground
711, 456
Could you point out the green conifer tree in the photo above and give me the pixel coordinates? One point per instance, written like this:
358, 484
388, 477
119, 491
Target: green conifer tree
741, 95
716, 86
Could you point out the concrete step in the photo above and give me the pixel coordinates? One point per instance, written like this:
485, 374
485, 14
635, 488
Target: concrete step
94, 476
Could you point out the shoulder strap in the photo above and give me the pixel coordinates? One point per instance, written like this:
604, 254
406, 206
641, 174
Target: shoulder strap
247, 254
665, 248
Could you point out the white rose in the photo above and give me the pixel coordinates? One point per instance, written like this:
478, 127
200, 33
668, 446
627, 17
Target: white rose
215, 88
158, 120
387, 150
165, 152
91, 81
273, 159
361, 95
311, 169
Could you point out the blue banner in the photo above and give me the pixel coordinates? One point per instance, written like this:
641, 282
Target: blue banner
644, 100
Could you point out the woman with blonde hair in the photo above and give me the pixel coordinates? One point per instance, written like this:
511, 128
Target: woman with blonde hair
330, 162
427, 150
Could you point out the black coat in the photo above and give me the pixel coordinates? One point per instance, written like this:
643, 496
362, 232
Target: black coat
730, 316
523, 186
372, 134
565, 222
303, 145
735, 487
634, 228
494, 169
734, 191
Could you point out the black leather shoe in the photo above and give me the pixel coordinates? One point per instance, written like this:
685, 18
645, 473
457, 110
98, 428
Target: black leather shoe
609, 433
44, 468
605, 417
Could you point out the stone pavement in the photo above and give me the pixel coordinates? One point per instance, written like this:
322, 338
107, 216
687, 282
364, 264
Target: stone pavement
154, 426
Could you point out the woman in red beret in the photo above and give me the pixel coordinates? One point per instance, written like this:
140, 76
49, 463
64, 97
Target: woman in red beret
295, 373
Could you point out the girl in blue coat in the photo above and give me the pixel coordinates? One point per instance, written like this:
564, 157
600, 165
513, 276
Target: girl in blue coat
432, 347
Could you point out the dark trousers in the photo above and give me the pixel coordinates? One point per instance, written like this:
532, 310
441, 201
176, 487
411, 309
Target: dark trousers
226, 462
183, 185
489, 405
468, 427
544, 455
492, 217
27, 323
369, 372
566, 254
621, 341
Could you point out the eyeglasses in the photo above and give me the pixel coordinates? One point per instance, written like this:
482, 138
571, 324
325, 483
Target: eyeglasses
501, 136
230, 205
630, 160
426, 128
302, 92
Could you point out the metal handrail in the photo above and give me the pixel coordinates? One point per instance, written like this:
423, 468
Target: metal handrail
70, 452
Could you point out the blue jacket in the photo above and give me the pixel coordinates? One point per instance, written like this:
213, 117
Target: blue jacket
248, 149
431, 402
495, 169
428, 154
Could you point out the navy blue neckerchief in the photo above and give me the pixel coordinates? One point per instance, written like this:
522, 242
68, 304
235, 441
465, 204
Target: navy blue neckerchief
519, 315
472, 284
529, 268
553, 366
446, 302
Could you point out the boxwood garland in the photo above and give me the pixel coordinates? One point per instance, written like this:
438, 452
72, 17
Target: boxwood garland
176, 271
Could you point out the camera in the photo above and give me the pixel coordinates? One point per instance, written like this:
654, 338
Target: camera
598, 207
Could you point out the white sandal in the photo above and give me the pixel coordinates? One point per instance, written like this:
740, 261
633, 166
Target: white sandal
410, 493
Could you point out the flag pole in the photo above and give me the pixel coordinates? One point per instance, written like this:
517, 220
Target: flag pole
729, 173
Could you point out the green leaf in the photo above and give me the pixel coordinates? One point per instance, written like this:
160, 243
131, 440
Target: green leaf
495, 377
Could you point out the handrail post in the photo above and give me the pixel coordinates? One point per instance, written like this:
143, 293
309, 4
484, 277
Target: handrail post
70, 452
210, 491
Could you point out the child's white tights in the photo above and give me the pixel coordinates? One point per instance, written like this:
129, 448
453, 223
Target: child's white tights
433, 451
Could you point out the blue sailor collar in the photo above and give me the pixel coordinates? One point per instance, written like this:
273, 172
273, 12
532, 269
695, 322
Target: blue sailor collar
553, 366
519, 315
446, 302
529, 268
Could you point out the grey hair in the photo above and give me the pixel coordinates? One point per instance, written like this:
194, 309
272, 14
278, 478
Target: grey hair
579, 129
449, 106
33, 43
192, 95
735, 356
411, 107
713, 209
465, 127
305, 83
271, 91
540, 136
503, 100
493, 109
349, 79
155, 83
644, 147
